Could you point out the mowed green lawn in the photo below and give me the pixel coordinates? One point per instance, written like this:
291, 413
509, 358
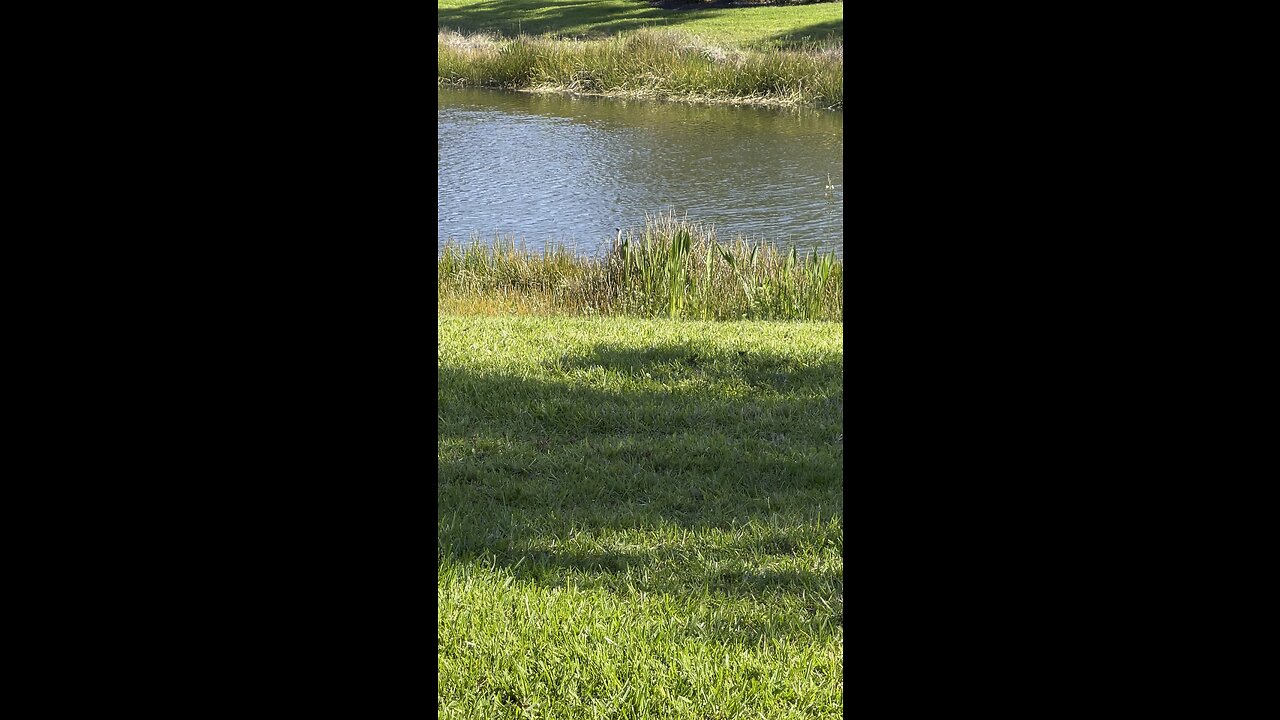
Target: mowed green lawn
744, 26
639, 518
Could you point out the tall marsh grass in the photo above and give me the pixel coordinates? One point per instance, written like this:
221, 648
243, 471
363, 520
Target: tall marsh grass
672, 268
648, 63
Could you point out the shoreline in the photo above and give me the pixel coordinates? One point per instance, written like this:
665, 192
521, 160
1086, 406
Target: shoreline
765, 102
672, 268
650, 64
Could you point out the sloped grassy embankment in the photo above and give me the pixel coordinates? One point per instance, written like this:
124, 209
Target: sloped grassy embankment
648, 63
639, 518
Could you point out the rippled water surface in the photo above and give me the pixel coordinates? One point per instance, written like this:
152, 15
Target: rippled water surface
572, 169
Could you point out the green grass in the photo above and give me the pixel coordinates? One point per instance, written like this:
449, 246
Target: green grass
759, 27
639, 518
672, 268
661, 64
783, 56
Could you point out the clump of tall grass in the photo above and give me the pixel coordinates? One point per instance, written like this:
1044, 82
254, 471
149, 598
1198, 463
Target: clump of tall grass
650, 63
506, 277
670, 268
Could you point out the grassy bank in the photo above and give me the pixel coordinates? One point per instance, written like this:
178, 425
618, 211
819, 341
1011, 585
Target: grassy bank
781, 56
672, 268
755, 27
639, 518
655, 64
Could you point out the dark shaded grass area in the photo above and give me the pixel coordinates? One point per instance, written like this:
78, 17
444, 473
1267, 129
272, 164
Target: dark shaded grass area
815, 34
538, 18
738, 441
495, 16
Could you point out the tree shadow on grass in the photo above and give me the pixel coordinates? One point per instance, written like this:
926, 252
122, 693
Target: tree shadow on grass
770, 376
560, 479
573, 19
816, 34
589, 20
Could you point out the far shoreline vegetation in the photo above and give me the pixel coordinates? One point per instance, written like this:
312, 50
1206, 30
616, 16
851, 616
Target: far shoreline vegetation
672, 268
780, 56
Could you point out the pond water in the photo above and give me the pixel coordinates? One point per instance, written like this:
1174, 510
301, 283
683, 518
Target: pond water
544, 167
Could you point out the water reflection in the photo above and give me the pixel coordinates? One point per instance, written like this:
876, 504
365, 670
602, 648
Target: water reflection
571, 169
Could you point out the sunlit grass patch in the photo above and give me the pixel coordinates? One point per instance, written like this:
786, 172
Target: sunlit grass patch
639, 518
